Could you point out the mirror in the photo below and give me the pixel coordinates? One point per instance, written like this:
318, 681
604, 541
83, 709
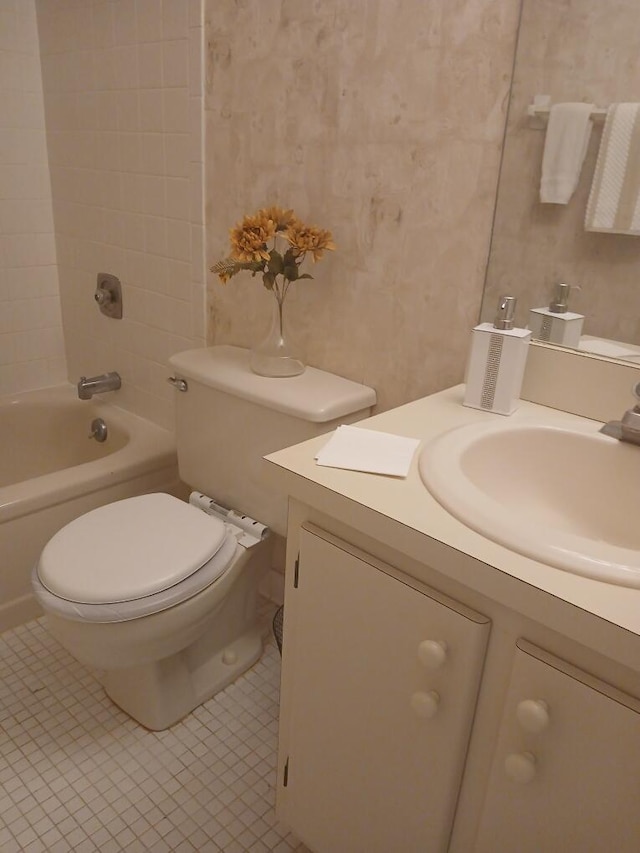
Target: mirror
571, 50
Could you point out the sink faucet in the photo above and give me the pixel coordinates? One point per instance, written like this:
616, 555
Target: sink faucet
98, 385
627, 429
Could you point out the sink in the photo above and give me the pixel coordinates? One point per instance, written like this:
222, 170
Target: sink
566, 497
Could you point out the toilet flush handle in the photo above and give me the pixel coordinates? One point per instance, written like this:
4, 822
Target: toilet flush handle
180, 384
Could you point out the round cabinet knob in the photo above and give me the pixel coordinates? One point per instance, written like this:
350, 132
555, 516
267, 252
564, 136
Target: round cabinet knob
533, 715
520, 766
425, 704
432, 653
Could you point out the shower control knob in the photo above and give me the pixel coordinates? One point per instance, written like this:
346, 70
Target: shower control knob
432, 653
102, 297
533, 715
424, 704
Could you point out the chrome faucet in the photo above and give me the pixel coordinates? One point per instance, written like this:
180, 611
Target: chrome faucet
98, 385
627, 429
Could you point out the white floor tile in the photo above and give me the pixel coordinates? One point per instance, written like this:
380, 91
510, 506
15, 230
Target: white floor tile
77, 774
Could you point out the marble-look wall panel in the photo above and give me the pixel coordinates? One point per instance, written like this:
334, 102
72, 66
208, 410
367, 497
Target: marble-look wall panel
571, 51
383, 123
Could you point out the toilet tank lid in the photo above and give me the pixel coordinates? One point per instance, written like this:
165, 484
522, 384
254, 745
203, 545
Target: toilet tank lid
314, 395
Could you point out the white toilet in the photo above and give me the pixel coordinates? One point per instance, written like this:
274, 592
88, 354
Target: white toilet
159, 596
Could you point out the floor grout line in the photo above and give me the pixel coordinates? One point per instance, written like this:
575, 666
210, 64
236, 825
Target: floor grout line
77, 774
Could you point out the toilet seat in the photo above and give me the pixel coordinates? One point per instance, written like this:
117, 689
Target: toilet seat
131, 558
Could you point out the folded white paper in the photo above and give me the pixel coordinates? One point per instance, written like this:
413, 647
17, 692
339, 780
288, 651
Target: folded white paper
367, 450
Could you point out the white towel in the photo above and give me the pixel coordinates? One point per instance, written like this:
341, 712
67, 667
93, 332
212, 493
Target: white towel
565, 146
614, 201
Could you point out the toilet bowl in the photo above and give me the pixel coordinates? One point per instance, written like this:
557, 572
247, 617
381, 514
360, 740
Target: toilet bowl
158, 598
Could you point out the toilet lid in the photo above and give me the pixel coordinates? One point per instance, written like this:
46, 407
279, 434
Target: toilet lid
129, 549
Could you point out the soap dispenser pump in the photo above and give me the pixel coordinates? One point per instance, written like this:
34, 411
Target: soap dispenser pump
556, 324
496, 362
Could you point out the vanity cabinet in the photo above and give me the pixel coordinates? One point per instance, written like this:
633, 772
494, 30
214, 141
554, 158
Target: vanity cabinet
383, 677
380, 680
566, 768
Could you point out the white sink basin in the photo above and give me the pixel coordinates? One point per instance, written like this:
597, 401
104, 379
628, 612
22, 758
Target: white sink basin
568, 498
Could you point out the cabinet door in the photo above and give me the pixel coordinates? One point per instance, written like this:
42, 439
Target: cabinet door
382, 682
566, 773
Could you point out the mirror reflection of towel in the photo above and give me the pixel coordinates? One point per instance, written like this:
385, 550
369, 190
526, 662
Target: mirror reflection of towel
614, 202
565, 146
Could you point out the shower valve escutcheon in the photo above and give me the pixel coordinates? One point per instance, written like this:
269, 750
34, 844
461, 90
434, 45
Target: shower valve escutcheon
98, 384
108, 295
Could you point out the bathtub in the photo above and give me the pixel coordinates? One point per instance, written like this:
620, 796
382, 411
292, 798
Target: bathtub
51, 472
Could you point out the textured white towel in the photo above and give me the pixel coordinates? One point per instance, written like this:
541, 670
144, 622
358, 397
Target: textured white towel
565, 146
614, 201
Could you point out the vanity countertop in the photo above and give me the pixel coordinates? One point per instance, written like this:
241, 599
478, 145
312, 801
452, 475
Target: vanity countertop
403, 515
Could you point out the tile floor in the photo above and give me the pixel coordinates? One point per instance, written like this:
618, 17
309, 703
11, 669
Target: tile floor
77, 774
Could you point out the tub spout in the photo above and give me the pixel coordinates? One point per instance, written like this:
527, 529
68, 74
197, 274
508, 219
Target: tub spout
98, 385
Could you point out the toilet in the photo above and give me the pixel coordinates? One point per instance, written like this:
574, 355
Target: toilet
158, 595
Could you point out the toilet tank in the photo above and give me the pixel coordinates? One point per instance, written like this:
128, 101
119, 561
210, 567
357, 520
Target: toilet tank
229, 418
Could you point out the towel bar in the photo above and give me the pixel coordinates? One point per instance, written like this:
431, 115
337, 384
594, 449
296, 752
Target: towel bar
538, 112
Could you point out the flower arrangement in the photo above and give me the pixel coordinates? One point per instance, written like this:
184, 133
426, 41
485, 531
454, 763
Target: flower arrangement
255, 247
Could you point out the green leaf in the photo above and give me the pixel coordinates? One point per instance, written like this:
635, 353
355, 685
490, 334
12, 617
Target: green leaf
227, 266
275, 264
291, 272
269, 279
305, 275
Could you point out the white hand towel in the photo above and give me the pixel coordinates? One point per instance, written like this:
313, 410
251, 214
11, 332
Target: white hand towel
614, 201
565, 146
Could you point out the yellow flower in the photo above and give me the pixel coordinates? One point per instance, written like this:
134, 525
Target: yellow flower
309, 238
255, 249
249, 238
281, 218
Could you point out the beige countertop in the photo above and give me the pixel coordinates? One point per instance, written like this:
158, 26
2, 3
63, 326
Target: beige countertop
402, 514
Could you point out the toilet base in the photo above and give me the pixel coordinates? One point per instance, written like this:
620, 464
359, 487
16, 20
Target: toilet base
161, 693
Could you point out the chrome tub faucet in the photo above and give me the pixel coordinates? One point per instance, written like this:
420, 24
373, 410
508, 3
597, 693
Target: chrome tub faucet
98, 384
627, 429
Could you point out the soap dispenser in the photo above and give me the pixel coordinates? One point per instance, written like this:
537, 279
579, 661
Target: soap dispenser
556, 324
497, 361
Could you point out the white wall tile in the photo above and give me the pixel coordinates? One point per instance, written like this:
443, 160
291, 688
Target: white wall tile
151, 110
124, 22
132, 214
175, 62
149, 20
175, 19
31, 353
177, 198
150, 65
177, 150
176, 110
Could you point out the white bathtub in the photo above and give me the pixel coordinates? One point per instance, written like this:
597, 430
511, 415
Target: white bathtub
51, 472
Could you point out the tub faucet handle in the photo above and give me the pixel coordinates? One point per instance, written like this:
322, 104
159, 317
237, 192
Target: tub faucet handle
628, 428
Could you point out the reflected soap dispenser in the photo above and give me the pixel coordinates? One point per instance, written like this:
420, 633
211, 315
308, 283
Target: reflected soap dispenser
556, 324
497, 361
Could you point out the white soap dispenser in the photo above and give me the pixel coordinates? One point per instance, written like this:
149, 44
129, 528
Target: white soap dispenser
556, 324
497, 361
